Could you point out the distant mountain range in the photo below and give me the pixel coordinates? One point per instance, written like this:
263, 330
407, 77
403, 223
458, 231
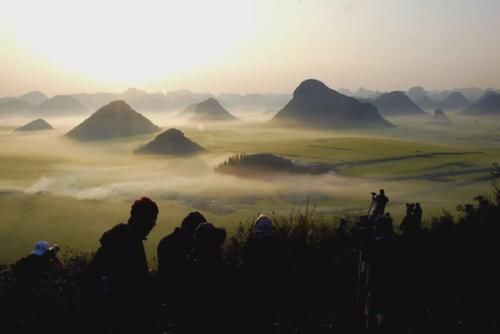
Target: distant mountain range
472, 94
58, 105
488, 105
141, 100
253, 101
489, 93
364, 93
425, 99
180, 99
421, 98
14, 107
34, 97
61, 105
315, 104
454, 102
397, 104
37, 104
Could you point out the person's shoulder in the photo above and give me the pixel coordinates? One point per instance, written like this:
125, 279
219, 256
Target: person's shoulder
23, 261
172, 239
175, 234
118, 233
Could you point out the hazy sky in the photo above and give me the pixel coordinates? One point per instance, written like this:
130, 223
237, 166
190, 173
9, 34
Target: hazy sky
61, 46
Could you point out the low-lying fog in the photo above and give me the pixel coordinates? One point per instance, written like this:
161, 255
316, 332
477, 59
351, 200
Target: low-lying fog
108, 170
70, 192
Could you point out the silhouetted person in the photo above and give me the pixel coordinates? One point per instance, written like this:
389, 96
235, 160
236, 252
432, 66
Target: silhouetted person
384, 279
408, 222
414, 267
263, 264
37, 292
413, 219
41, 261
380, 202
174, 252
417, 212
410, 208
213, 296
118, 276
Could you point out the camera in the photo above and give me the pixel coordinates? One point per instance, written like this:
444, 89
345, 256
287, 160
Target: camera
373, 194
54, 249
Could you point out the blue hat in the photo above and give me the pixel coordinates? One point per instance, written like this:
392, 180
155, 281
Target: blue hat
41, 247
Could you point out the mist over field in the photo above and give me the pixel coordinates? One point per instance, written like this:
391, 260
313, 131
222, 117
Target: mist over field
52, 185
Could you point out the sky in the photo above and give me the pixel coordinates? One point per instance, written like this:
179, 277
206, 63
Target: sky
246, 46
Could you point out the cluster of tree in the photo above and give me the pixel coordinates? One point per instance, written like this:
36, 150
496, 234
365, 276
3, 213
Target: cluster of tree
320, 276
260, 163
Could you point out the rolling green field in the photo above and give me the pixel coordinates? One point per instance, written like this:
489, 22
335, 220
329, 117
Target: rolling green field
69, 193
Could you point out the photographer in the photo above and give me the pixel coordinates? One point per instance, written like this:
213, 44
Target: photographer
380, 201
38, 289
40, 263
413, 219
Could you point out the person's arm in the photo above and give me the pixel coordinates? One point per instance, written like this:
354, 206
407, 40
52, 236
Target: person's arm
58, 265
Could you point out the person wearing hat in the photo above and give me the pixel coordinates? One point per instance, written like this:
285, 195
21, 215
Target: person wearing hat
41, 261
174, 252
214, 286
37, 287
263, 260
118, 276
175, 248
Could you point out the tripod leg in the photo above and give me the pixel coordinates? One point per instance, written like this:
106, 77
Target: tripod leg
370, 208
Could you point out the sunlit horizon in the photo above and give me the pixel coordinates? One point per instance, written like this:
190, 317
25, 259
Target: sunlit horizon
223, 46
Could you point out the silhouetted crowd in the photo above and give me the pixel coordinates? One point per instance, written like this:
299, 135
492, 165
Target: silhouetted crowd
275, 277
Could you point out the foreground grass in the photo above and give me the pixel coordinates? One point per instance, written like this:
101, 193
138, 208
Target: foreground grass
442, 275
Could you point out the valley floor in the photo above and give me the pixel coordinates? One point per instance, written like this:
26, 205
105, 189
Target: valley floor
69, 192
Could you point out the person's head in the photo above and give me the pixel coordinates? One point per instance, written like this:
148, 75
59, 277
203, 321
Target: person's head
208, 239
143, 215
192, 221
41, 248
263, 227
381, 191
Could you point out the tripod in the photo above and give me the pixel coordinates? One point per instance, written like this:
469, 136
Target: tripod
371, 205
